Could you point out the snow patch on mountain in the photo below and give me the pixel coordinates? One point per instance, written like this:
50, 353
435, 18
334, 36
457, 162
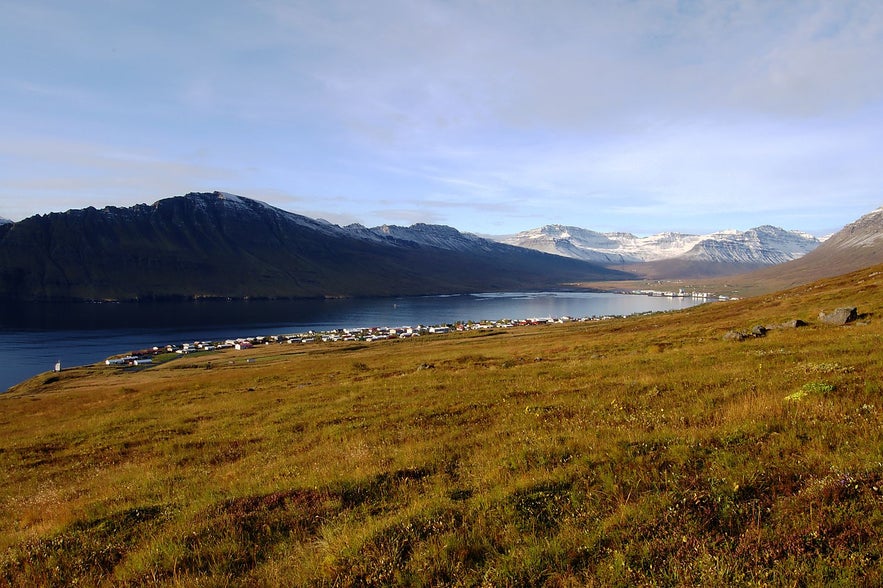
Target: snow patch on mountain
761, 245
617, 248
766, 245
5, 221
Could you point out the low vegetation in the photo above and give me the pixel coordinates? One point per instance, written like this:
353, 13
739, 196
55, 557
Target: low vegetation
640, 451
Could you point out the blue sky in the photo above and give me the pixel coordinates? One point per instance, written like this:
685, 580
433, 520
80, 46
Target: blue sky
489, 116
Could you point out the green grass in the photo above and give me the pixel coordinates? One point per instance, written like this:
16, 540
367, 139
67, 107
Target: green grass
642, 451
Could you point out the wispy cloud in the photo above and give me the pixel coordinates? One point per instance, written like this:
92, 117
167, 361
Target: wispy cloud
59, 172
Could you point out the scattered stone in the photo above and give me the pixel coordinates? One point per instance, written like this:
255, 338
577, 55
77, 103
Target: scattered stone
756, 332
792, 324
839, 316
734, 336
426, 366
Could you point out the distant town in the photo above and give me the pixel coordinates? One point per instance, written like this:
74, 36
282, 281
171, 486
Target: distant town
151, 355
681, 293
146, 357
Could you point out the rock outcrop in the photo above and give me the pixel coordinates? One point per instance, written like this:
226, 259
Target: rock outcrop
839, 316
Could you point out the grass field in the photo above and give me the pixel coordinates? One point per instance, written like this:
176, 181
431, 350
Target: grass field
639, 451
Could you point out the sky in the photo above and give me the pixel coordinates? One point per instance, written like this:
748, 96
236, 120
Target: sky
490, 116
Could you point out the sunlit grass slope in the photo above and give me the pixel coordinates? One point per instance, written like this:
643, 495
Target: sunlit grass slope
639, 451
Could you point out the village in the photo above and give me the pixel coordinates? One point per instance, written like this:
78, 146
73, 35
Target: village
156, 354
681, 293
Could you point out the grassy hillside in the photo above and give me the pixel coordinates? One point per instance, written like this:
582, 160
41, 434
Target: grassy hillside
639, 451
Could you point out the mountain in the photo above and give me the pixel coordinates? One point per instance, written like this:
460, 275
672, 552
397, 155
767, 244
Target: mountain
671, 254
765, 245
4, 221
440, 236
855, 246
608, 248
219, 245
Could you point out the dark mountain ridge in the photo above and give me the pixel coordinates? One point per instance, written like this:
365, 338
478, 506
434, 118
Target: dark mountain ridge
218, 245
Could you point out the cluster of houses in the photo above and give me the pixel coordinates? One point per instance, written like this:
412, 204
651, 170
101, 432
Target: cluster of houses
146, 356
681, 293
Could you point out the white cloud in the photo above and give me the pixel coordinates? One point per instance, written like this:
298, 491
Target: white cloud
56, 174
417, 72
464, 112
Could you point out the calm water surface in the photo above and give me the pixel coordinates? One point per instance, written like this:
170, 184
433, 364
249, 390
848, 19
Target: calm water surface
34, 336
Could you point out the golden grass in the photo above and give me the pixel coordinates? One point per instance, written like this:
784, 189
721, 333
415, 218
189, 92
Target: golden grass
639, 451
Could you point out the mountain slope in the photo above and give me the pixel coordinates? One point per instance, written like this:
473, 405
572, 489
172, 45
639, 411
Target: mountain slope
221, 245
421, 234
857, 245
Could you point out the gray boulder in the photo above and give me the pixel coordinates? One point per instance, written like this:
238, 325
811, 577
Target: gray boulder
839, 316
734, 336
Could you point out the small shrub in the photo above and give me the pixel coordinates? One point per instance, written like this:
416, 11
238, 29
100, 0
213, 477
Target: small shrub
817, 387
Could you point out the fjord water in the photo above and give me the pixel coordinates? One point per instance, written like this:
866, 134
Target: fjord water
33, 337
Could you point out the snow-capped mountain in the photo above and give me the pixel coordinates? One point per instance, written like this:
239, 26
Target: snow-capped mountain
612, 248
764, 245
5, 221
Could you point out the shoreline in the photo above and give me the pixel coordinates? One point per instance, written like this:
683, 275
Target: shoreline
93, 340
144, 358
